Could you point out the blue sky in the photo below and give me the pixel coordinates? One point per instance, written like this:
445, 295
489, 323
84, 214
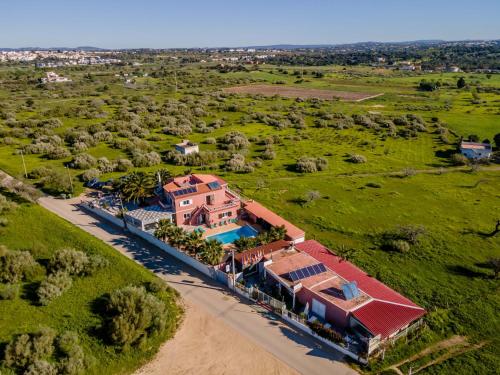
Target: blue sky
209, 23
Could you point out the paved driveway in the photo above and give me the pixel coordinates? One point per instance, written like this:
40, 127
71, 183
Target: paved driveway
294, 348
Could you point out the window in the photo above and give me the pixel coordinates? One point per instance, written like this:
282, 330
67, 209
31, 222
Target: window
186, 202
225, 214
187, 216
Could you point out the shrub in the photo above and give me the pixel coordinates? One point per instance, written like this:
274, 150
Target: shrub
459, 159
210, 141
9, 291
58, 152
147, 159
306, 165
90, 174
327, 333
132, 314
104, 165
15, 265
6, 205
41, 367
356, 158
52, 287
410, 233
123, 165
400, 246
236, 163
26, 349
234, 141
309, 165
84, 161
269, 153
70, 261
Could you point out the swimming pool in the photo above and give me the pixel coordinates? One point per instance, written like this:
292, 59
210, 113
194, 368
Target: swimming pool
233, 235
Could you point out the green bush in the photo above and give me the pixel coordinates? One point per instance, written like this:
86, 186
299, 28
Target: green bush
132, 315
326, 333
25, 349
459, 159
70, 261
400, 246
53, 286
41, 367
15, 265
9, 291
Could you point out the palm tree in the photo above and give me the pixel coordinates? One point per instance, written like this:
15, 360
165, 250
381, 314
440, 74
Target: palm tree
194, 242
137, 186
212, 252
163, 174
176, 236
164, 229
345, 253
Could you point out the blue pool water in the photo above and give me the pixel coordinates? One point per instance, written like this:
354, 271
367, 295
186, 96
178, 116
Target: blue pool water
233, 235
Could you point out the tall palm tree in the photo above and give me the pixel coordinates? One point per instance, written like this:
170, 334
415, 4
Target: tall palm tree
194, 243
137, 186
177, 237
164, 229
212, 252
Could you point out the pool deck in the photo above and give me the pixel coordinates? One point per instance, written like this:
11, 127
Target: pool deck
208, 232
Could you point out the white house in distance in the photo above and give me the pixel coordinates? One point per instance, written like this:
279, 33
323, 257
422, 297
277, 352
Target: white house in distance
187, 147
474, 150
54, 77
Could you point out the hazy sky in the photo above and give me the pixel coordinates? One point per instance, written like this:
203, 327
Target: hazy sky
211, 23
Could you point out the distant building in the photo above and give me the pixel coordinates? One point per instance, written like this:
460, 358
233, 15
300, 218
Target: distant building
476, 151
454, 69
52, 77
187, 147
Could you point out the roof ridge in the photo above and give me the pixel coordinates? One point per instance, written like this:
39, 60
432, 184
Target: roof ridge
416, 307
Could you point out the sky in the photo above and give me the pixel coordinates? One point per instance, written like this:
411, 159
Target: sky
232, 23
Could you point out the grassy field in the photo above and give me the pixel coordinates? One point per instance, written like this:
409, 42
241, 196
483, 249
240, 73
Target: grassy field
447, 272
42, 233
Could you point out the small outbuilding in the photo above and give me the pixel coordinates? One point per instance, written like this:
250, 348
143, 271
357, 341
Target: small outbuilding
187, 147
476, 151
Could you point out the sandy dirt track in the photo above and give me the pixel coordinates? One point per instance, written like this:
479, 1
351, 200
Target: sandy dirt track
299, 92
205, 345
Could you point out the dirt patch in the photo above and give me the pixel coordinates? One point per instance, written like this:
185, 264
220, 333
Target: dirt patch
299, 92
205, 345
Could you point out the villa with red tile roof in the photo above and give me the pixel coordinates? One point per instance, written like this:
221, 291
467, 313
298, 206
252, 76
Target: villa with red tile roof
340, 294
199, 199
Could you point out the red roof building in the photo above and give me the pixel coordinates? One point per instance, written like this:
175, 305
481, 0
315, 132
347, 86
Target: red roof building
265, 217
386, 313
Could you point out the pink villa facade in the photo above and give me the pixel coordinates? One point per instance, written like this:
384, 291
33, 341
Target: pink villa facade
201, 199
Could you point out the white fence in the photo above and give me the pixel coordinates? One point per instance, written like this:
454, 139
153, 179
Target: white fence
288, 318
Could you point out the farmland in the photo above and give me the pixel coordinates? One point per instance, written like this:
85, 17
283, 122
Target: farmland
406, 138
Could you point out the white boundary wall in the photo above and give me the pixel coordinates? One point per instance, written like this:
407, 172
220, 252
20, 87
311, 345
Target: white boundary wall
309, 331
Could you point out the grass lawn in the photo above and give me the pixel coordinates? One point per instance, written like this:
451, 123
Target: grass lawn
33, 228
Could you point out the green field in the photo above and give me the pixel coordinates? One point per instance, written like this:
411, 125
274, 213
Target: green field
447, 272
42, 233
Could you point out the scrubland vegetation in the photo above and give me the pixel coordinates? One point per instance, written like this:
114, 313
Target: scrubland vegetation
378, 180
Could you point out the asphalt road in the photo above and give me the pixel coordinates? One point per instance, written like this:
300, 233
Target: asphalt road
296, 349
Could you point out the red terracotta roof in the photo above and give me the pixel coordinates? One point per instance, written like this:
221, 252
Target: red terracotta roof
350, 272
261, 250
275, 220
475, 146
383, 318
387, 313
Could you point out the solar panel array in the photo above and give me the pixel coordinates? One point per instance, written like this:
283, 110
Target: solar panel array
181, 192
350, 290
305, 272
213, 185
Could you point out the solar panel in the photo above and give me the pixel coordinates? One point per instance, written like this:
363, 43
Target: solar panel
347, 292
293, 276
181, 192
350, 290
316, 268
311, 270
213, 185
322, 267
306, 272
300, 274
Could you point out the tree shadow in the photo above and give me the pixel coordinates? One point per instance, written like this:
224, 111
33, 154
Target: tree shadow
29, 292
465, 271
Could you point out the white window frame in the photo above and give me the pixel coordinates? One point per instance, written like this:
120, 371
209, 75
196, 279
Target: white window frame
186, 202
